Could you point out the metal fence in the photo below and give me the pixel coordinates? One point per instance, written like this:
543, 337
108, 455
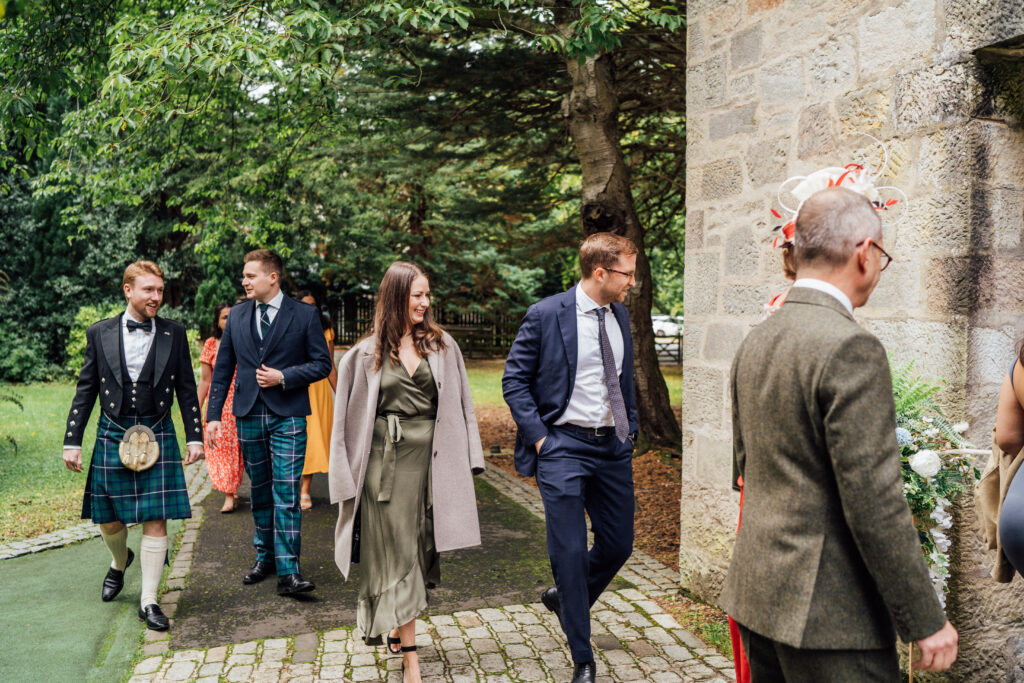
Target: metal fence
479, 335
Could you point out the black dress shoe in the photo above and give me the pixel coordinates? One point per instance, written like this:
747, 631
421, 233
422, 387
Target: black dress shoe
290, 584
584, 673
155, 619
113, 582
553, 603
259, 571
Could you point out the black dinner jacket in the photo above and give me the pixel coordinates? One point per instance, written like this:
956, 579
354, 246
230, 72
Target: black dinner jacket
101, 377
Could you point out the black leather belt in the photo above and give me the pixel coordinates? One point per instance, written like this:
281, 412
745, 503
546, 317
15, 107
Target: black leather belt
586, 431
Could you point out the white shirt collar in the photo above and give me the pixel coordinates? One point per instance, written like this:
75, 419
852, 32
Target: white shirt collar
128, 316
275, 303
827, 288
584, 302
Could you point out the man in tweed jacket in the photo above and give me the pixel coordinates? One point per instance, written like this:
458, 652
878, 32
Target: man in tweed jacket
827, 567
135, 364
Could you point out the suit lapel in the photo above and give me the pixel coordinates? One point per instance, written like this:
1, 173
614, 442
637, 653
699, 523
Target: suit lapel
162, 348
620, 313
110, 340
245, 328
281, 322
567, 324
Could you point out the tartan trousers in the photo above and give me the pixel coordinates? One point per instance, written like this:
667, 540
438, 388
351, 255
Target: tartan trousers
273, 452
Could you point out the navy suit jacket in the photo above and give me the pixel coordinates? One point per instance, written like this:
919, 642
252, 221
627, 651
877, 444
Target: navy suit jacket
294, 344
540, 372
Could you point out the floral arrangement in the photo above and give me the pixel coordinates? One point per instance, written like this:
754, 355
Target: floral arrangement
937, 466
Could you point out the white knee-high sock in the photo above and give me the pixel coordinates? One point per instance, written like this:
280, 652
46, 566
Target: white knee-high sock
117, 544
152, 552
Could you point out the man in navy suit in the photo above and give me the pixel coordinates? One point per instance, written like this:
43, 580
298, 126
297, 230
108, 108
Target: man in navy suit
277, 345
569, 384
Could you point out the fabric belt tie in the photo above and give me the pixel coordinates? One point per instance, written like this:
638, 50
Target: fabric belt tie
394, 435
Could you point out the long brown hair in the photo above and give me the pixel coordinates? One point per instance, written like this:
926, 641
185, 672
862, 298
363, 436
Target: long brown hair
391, 317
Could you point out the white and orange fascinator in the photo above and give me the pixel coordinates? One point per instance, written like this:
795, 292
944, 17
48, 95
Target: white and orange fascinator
853, 176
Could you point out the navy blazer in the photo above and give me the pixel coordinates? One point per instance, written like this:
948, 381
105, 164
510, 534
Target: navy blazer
294, 344
540, 372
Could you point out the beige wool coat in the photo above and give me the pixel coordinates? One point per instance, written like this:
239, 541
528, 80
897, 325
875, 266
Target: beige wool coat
457, 453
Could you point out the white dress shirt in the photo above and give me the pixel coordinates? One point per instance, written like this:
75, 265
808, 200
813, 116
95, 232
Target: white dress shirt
589, 405
136, 344
827, 288
273, 306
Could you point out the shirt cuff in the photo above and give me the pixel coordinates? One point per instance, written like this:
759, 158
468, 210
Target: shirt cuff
72, 448
193, 443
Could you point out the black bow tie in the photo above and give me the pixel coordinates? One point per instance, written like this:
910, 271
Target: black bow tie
133, 325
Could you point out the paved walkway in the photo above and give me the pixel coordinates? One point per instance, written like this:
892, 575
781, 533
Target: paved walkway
636, 640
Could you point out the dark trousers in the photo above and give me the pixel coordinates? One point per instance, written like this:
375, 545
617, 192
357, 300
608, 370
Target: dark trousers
771, 661
581, 474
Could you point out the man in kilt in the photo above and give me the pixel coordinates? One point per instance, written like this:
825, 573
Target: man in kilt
277, 346
135, 363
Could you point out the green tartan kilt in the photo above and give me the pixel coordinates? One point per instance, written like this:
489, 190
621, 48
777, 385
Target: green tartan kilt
114, 493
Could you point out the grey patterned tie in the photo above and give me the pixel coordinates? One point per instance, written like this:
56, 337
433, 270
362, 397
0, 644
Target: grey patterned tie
264, 320
611, 379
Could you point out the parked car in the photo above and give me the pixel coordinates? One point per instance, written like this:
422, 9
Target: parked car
666, 325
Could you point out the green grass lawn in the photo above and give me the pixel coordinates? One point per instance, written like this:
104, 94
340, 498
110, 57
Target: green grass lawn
485, 382
38, 494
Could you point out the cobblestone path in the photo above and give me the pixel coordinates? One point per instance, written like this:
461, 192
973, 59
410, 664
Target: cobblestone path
635, 639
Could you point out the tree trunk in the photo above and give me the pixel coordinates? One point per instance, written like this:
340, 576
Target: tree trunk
591, 111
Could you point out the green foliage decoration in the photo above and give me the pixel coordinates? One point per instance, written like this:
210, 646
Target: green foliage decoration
934, 468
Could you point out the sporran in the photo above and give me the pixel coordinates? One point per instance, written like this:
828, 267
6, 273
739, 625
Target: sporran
139, 449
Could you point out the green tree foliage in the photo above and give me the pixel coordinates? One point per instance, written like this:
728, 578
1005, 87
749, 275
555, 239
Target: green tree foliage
344, 135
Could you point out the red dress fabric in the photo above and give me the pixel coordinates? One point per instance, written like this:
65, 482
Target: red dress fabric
738, 655
224, 462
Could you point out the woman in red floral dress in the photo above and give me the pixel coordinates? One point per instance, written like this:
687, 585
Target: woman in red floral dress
224, 462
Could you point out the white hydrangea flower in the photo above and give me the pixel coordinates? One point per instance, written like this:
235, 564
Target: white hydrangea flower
926, 463
961, 427
940, 516
931, 433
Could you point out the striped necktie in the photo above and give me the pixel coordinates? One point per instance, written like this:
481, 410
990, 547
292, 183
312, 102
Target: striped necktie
264, 320
611, 380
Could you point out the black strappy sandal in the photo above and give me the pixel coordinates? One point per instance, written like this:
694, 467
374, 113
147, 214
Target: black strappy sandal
393, 641
406, 648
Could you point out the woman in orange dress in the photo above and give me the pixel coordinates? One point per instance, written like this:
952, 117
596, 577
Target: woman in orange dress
223, 462
321, 417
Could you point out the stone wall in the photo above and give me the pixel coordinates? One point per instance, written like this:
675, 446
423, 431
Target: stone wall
778, 88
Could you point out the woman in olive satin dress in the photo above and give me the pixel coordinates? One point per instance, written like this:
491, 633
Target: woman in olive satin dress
412, 495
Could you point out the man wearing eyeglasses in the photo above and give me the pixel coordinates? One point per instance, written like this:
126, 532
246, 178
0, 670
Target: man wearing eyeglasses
569, 385
827, 566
